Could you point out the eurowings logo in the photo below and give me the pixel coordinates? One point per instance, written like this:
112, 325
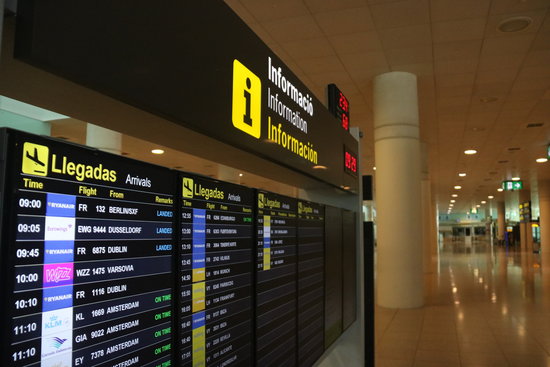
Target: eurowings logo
247, 100
35, 159
57, 342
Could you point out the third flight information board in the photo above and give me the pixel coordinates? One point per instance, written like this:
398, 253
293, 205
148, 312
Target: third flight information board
275, 280
216, 270
311, 285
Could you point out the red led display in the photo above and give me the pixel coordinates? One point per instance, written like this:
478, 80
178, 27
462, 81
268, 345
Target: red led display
350, 162
338, 105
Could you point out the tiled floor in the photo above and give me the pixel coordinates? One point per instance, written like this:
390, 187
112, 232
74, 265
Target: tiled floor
484, 307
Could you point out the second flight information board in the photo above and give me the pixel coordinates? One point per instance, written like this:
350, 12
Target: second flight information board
216, 273
275, 280
91, 242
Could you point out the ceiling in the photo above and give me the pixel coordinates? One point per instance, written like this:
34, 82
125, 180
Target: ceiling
478, 87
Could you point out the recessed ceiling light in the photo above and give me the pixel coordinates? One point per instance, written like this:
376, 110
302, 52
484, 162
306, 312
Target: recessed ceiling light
514, 24
490, 197
319, 167
516, 178
500, 189
451, 205
477, 129
454, 195
157, 151
453, 201
478, 206
483, 202
374, 168
457, 187
542, 160
462, 174
240, 175
470, 151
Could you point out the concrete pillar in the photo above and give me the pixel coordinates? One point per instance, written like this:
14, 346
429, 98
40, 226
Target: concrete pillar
103, 139
501, 220
398, 191
544, 207
426, 199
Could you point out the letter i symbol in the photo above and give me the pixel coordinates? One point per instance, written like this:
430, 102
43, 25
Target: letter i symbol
246, 117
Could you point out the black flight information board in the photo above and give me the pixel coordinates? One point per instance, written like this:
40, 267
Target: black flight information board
88, 239
276, 280
216, 273
311, 285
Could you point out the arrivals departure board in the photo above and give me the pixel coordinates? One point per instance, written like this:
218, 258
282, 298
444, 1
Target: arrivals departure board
311, 284
88, 243
216, 270
276, 280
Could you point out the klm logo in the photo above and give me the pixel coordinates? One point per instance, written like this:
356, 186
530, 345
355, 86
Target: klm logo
247, 100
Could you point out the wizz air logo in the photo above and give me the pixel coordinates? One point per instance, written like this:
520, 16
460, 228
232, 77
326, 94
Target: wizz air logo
58, 342
58, 274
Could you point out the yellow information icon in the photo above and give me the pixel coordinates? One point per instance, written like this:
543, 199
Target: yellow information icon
188, 187
35, 159
247, 100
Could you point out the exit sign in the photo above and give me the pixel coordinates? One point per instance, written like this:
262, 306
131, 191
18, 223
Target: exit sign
512, 185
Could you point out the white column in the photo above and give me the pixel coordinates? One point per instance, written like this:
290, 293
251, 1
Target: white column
544, 207
103, 139
426, 199
398, 191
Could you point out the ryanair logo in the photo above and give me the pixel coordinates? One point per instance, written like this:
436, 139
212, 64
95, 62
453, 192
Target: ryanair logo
35, 159
247, 100
188, 185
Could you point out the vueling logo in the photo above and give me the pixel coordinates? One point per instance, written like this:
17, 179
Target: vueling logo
247, 100
36, 158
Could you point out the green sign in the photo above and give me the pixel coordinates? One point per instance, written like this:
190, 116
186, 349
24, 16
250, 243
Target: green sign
512, 185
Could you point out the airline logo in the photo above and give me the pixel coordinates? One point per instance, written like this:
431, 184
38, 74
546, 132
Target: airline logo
55, 298
57, 344
247, 100
188, 185
58, 252
57, 321
64, 360
59, 205
58, 274
59, 229
35, 159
